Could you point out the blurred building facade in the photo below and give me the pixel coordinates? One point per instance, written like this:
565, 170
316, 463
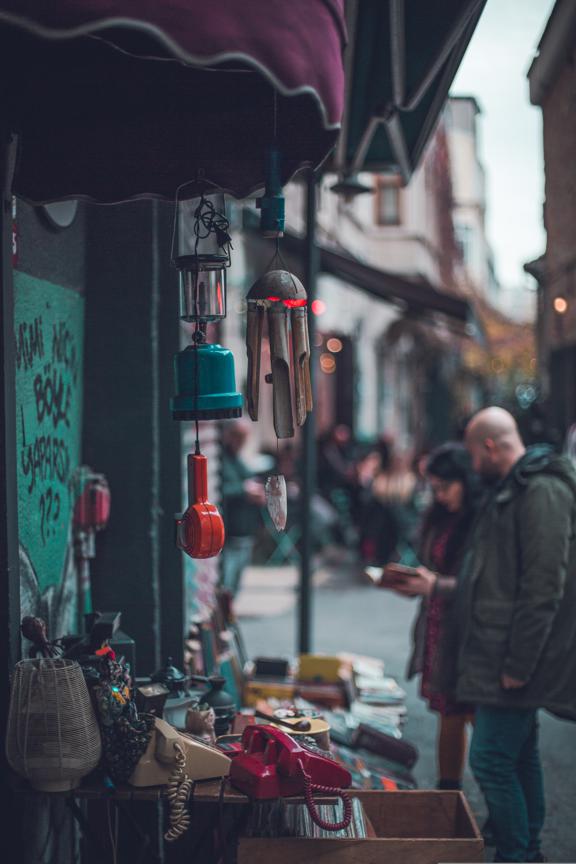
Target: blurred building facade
383, 367
552, 79
407, 382
469, 197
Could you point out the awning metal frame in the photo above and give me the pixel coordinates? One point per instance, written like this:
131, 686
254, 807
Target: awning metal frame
448, 56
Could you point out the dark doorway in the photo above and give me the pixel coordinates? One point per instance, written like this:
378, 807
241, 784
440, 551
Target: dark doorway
336, 381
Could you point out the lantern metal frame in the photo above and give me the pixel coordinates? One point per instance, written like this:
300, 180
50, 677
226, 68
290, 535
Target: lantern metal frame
204, 374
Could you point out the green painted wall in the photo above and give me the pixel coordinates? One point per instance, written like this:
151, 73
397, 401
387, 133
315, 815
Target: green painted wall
48, 323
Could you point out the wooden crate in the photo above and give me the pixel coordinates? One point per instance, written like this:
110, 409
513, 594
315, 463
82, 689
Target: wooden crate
411, 828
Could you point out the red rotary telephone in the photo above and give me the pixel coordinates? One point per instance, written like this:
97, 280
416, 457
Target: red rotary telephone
200, 531
274, 765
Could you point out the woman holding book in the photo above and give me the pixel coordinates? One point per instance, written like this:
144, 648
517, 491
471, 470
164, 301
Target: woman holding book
444, 538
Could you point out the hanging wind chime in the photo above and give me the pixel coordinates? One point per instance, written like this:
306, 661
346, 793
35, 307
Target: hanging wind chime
204, 373
278, 299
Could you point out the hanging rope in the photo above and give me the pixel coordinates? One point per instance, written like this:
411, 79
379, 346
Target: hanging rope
213, 222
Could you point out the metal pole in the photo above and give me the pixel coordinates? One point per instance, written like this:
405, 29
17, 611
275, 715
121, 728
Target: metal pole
9, 558
9, 561
309, 443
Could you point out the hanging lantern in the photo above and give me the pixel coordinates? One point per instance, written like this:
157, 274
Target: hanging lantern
205, 384
204, 374
202, 255
281, 297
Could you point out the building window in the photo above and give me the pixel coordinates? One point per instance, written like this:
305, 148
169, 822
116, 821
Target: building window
388, 202
463, 234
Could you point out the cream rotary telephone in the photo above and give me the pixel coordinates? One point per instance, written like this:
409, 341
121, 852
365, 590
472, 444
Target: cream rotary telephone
176, 760
203, 761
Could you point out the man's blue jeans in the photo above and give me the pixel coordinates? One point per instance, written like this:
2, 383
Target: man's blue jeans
505, 761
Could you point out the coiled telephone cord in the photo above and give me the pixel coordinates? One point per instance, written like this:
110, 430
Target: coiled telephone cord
178, 792
310, 787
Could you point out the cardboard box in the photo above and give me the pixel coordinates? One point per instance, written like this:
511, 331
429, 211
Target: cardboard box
256, 690
411, 828
319, 668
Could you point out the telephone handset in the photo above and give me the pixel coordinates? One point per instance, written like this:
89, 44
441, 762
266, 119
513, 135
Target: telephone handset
202, 761
275, 765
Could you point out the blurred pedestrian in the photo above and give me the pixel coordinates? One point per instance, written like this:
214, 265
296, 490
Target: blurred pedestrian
516, 599
445, 534
570, 444
389, 526
242, 498
336, 460
337, 481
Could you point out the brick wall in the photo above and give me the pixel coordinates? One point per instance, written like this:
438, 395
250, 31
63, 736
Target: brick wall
559, 116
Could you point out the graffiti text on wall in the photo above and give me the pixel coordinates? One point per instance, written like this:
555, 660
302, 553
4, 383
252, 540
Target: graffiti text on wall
48, 321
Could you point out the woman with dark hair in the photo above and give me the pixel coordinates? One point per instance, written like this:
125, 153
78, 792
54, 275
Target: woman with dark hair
444, 537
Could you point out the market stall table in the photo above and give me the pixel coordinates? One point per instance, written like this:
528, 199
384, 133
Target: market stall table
124, 797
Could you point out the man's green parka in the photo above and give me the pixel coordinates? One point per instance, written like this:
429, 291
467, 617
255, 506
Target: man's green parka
516, 602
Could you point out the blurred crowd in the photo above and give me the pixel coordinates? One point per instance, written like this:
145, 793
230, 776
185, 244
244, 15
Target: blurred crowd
369, 500
377, 492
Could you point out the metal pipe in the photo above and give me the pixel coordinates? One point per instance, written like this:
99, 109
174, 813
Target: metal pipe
309, 436
398, 50
398, 144
365, 142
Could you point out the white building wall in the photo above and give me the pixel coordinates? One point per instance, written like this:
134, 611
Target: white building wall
407, 248
469, 191
350, 312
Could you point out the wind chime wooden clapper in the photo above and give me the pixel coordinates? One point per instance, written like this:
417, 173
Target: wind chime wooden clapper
280, 298
204, 373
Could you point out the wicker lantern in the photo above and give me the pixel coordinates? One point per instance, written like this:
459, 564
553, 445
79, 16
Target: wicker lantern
53, 739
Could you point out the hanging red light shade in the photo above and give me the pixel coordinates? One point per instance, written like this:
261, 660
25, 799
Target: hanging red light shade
200, 530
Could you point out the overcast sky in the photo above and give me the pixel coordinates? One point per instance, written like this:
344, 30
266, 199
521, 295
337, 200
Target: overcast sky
494, 71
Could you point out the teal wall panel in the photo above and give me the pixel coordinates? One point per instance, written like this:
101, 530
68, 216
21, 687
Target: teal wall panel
48, 323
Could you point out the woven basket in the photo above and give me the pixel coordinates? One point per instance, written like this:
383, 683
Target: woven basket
53, 737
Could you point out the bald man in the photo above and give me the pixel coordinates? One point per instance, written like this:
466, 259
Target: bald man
517, 617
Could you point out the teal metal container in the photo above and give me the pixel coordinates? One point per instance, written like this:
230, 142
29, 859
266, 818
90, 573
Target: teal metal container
206, 391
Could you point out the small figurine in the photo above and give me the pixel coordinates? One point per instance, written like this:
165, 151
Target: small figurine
200, 721
34, 629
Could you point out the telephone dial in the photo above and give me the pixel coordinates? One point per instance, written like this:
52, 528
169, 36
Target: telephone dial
274, 765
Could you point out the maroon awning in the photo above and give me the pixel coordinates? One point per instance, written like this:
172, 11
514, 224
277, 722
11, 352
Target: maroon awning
115, 99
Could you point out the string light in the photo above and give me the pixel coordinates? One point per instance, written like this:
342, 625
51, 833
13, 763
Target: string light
318, 307
327, 364
334, 345
560, 305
